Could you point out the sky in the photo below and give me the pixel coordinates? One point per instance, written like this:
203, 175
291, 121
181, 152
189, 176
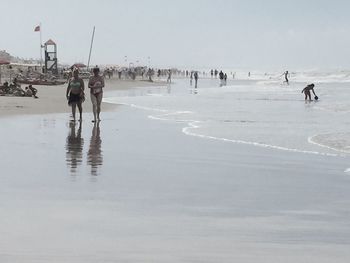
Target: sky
250, 34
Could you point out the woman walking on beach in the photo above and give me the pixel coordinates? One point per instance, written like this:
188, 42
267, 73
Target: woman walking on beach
75, 94
96, 83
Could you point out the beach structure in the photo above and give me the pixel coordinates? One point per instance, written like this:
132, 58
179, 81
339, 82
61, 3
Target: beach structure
3, 62
50, 57
5, 55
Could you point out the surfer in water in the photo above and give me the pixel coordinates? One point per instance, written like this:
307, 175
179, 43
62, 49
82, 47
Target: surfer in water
307, 92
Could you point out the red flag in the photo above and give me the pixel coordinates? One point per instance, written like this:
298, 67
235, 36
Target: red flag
37, 28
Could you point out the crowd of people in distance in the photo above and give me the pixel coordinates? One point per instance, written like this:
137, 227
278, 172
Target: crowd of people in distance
222, 76
75, 92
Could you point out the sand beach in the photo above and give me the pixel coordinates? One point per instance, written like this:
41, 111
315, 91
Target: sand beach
52, 98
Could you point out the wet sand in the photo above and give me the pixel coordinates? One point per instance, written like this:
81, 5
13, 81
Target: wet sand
134, 189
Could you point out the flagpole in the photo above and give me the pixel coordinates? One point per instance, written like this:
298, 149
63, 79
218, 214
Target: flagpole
41, 55
92, 41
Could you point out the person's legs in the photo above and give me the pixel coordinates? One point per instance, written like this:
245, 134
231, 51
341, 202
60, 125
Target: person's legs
74, 105
99, 101
307, 95
94, 106
80, 111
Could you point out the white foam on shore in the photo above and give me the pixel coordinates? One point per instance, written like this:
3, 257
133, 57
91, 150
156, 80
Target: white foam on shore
194, 124
313, 140
310, 140
113, 101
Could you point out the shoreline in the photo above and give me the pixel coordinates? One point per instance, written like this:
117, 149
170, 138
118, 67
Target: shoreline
52, 99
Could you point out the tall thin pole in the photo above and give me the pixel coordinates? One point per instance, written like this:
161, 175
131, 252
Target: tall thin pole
92, 41
41, 46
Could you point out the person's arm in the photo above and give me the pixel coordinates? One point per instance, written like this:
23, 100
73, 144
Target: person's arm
82, 85
68, 90
90, 84
303, 90
102, 82
82, 88
313, 92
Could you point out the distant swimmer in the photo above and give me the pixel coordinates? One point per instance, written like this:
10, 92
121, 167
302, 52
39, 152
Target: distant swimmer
286, 80
221, 77
216, 73
307, 92
195, 78
169, 76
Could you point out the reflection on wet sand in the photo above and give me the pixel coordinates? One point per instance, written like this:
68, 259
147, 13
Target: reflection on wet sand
194, 91
94, 155
74, 147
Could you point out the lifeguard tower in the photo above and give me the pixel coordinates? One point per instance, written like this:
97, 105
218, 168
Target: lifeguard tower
50, 57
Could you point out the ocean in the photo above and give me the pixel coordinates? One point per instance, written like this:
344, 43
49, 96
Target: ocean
261, 111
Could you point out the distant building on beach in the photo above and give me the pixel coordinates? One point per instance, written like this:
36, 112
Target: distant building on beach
4, 55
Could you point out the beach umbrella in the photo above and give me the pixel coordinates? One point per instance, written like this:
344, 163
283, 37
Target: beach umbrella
3, 62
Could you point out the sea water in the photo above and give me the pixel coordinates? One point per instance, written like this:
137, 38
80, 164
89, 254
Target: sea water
262, 111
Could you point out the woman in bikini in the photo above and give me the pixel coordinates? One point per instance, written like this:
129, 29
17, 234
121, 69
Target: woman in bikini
96, 84
75, 93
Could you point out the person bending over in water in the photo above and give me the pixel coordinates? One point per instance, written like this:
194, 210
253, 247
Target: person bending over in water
307, 92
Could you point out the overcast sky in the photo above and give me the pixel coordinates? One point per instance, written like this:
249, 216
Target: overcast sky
256, 34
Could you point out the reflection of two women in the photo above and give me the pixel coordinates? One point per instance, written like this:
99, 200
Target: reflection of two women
74, 146
94, 154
